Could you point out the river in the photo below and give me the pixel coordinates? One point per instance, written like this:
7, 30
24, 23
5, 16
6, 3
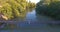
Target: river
32, 22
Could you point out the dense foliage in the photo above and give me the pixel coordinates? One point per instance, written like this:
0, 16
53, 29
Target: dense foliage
50, 8
14, 8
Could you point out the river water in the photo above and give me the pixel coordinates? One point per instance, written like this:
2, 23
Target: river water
32, 22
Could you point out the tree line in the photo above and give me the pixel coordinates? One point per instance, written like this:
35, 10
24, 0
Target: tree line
50, 8
14, 8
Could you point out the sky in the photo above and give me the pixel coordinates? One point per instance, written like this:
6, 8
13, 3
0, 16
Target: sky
35, 1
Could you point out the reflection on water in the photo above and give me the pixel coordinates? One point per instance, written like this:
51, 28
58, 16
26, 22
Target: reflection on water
31, 23
31, 16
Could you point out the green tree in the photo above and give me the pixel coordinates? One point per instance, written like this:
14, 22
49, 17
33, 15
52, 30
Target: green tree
14, 8
51, 9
